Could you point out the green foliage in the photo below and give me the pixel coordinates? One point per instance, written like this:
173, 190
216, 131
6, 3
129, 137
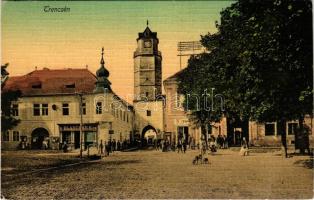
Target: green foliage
201, 103
7, 121
260, 60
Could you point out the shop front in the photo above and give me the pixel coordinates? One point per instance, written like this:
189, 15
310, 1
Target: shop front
70, 134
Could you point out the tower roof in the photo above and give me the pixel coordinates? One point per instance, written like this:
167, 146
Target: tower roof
102, 71
147, 33
102, 74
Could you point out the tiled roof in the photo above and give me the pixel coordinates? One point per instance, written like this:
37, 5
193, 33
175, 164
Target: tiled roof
50, 82
147, 34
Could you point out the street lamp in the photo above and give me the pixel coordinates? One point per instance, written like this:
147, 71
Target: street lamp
110, 134
81, 124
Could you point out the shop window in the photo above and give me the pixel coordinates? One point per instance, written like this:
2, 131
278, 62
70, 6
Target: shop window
90, 137
66, 137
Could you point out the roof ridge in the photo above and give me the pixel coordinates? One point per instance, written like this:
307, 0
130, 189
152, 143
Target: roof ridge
174, 75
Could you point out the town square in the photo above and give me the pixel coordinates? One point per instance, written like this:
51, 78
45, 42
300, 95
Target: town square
162, 175
165, 99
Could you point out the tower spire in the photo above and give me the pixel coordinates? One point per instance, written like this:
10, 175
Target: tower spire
147, 23
102, 74
102, 62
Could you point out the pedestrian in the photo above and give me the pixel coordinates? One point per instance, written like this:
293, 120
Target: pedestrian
45, 144
184, 147
212, 145
119, 145
225, 142
244, 151
101, 148
203, 148
65, 147
110, 146
155, 144
179, 146
124, 144
168, 145
114, 144
107, 148
158, 145
218, 141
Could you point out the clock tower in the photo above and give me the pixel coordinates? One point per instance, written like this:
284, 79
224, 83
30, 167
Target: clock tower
147, 67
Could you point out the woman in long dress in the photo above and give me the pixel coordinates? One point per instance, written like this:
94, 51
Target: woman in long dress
244, 151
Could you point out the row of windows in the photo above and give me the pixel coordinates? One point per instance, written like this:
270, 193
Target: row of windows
6, 136
120, 114
270, 129
43, 110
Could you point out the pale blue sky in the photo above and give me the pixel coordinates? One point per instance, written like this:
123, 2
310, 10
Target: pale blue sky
32, 37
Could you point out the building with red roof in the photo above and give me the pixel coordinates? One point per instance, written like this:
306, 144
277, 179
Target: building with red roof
52, 103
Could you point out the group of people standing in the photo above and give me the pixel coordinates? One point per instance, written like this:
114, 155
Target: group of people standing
181, 146
112, 146
222, 141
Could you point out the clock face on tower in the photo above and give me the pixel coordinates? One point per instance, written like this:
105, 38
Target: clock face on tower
147, 44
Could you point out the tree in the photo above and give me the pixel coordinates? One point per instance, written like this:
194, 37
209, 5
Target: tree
7, 121
4, 73
202, 104
264, 52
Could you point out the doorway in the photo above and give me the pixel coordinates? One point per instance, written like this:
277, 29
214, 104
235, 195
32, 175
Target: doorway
38, 136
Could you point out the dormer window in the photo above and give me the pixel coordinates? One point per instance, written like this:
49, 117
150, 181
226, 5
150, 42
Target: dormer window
36, 86
70, 85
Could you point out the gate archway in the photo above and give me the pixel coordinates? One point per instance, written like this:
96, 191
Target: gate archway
149, 136
38, 136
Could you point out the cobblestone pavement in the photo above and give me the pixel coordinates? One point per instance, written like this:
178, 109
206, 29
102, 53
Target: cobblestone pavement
152, 174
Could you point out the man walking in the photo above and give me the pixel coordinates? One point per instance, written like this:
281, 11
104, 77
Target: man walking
101, 148
184, 147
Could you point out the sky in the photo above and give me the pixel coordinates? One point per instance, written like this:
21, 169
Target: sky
31, 37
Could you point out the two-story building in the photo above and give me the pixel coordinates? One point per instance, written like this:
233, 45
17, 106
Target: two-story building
54, 104
178, 124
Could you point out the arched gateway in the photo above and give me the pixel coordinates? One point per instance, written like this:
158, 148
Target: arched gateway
38, 136
149, 136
